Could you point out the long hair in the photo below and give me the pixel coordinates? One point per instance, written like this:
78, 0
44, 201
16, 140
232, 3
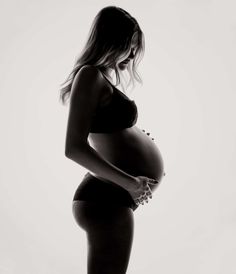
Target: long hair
109, 41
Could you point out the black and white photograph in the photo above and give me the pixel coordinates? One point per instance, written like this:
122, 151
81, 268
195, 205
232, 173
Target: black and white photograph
118, 137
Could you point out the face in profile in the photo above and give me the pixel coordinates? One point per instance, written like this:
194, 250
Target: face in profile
128, 58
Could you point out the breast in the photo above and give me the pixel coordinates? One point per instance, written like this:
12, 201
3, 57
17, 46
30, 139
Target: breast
119, 113
131, 150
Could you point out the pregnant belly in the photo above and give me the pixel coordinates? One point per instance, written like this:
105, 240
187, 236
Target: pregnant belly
131, 150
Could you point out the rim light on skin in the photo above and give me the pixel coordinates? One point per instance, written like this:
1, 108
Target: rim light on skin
130, 55
108, 44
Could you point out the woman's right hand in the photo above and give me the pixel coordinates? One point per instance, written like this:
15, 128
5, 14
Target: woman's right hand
141, 191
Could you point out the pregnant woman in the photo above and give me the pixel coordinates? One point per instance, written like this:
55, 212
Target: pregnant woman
123, 162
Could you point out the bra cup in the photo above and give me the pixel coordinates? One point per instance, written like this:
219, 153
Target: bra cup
120, 112
107, 102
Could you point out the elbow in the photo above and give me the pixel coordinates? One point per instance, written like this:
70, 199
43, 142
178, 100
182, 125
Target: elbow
74, 150
69, 151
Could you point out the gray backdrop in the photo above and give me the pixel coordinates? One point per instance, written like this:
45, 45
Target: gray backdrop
187, 103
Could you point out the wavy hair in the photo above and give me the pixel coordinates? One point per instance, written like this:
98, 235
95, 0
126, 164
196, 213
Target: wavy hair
109, 41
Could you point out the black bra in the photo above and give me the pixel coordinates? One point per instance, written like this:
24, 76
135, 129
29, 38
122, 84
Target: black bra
119, 113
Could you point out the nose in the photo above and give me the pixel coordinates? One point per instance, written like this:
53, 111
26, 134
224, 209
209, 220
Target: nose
131, 56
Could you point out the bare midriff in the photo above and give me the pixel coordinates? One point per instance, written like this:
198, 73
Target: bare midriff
131, 150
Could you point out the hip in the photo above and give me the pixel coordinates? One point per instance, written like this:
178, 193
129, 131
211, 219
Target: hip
97, 191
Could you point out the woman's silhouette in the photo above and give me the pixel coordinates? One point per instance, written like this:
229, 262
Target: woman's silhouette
123, 162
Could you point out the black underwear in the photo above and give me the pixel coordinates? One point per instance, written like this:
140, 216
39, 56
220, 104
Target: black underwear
102, 192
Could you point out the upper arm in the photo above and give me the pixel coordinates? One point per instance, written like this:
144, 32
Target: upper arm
85, 97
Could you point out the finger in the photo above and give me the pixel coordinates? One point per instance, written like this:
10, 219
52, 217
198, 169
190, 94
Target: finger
153, 182
147, 194
139, 201
142, 202
149, 190
136, 201
146, 199
143, 198
150, 195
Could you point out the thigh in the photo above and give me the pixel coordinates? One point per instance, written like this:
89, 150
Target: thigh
109, 232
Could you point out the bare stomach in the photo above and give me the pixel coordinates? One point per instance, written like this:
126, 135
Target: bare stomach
131, 150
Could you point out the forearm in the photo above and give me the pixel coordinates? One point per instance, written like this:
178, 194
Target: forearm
88, 157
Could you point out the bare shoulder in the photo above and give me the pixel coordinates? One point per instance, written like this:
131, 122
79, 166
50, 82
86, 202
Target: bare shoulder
88, 75
90, 69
